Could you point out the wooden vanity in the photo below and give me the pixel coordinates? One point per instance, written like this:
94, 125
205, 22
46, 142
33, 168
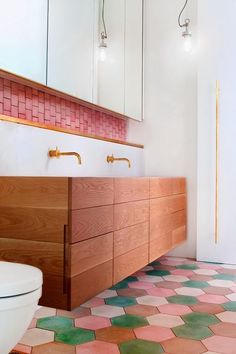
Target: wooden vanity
87, 234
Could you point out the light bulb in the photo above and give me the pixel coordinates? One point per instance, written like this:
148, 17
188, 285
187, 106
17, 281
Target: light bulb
188, 43
102, 53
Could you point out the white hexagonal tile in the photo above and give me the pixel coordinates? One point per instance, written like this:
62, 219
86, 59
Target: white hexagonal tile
151, 300
189, 291
176, 278
164, 320
205, 271
147, 268
221, 283
107, 311
227, 316
228, 266
150, 278
36, 336
107, 293
45, 312
231, 297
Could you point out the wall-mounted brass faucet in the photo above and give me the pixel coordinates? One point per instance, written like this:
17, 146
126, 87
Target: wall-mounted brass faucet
111, 159
57, 153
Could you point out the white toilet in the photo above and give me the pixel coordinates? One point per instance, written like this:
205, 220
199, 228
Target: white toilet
20, 291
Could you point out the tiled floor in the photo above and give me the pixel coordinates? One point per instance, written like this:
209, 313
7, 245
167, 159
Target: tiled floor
173, 306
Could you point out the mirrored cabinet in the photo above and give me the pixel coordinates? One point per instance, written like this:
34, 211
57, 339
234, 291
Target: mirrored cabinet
89, 49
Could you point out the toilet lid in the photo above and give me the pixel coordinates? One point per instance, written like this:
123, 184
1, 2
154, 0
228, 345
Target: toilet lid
17, 279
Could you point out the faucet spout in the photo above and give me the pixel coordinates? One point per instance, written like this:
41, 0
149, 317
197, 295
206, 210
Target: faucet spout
111, 159
57, 153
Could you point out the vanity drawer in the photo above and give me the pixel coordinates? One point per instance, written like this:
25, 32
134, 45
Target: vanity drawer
90, 253
90, 192
178, 235
164, 224
128, 214
131, 189
159, 246
167, 205
128, 263
161, 187
91, 222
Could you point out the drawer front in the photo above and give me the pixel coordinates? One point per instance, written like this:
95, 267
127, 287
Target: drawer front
128, 214
130, 262
159, 246
91, 253
131, 189
130, 238
90, 192
161, 187
91, 222
90, 283
178, 235
167, 205
164, 224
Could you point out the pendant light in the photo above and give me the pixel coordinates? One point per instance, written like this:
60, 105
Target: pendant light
187, 35
103, 36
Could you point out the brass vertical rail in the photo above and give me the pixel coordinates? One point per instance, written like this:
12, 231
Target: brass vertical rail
217, 165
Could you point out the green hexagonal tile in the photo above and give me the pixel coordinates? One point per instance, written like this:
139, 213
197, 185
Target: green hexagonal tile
200, 319
225, 277
192, 331
139, 346
121, 301
55, 323
187, 266
159, 273
155, 263
129, 321
74, 336
230, 306
131, 279
121, 285
196, 284
182, 299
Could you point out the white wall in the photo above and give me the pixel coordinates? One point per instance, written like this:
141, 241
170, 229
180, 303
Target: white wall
169, 130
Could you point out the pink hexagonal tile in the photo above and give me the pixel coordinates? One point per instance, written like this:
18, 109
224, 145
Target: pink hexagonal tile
151, 300
176, 278
164, 320
171, 263
150, 278
96, 301
233, 288
154, 333
107, 293
189, 291
174, 309
213, 299
224, 345
107, 311
23, 348
92, 322
97, 347
205, 272
209, 266
139, 273
162, 292
184, 272
227, 316
141, 285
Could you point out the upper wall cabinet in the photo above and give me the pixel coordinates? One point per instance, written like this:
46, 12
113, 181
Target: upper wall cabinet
23, 38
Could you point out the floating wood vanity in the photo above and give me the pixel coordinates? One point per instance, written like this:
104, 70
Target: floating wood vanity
87, 234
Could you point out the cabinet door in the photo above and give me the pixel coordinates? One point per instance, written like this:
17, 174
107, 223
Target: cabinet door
71, 47
23, 38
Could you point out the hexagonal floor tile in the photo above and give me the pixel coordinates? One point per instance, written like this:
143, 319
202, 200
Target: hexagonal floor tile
92, 322
227, 316
36, 336
97, 347
54, 348
164, 320
176, 278
161, 292
212, 299
205, 272
150, 278
55, 323
158, 273
230, 306
231, 297
196, 284
225, 276
21, 349
211, 309
129, 321
80, 312
224, 345
184, 346
121, 301
139, 346
169, 285
107, 311
96, 301
131, 292
151, 300
224, 329
141, 285
214, 290
107, 293
182, 300
154, 333
115, 334
174, 309
183, 272
121, 285
74, 336
221, 283
192, 331
187, 266
141, 310
200, 319
189, 291
45, 312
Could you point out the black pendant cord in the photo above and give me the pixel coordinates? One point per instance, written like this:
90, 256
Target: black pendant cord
179, 18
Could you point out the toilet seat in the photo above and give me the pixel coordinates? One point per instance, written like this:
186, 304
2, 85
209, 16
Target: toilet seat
18, 279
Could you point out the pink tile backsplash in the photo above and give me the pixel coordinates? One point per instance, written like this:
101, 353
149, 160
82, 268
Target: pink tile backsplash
34, 105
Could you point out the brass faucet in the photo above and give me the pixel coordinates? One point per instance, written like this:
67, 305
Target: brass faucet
57, 153
111, 159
